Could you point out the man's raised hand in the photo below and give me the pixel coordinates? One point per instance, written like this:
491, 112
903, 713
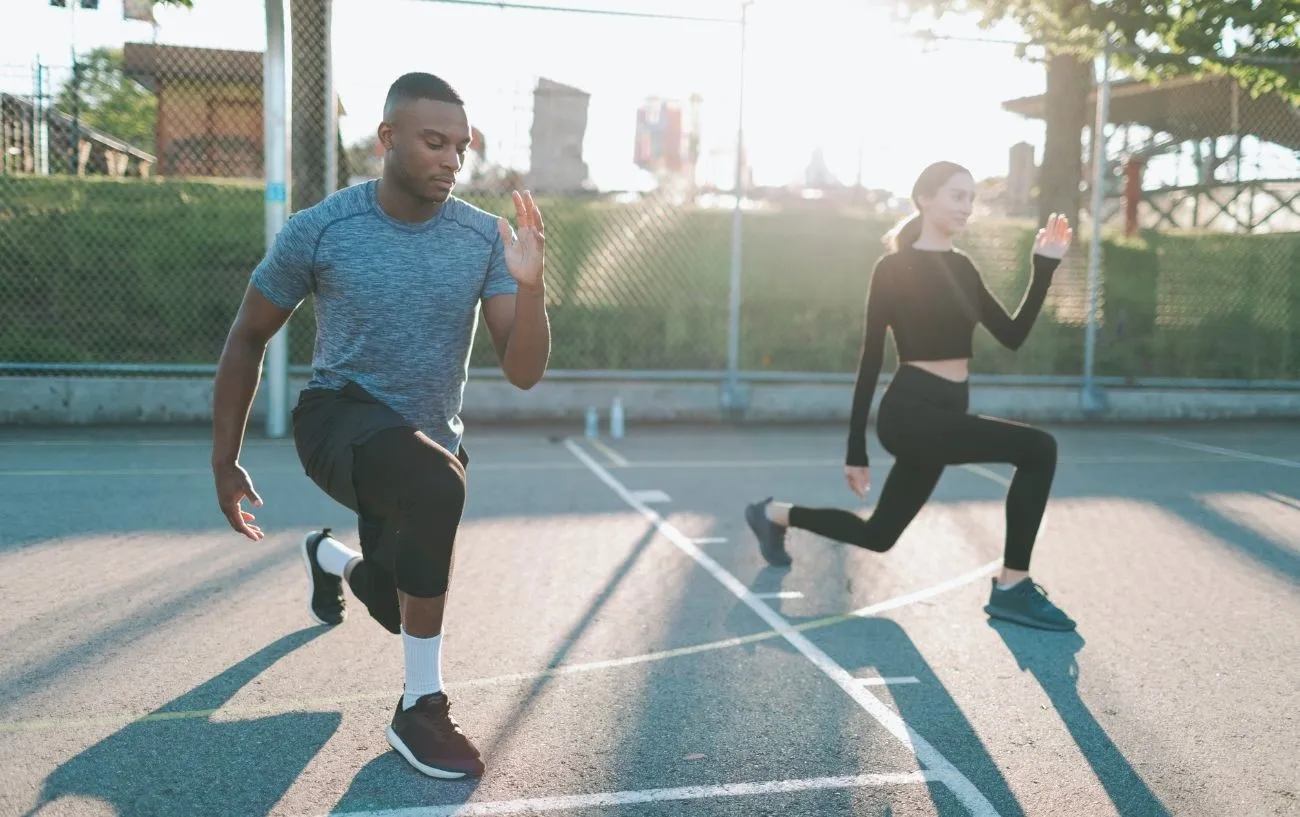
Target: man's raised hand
525, 251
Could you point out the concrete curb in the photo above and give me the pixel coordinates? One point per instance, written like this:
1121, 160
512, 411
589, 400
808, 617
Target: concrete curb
59, 400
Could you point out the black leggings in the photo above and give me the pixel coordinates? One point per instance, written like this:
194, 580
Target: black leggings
411, 494
923, 422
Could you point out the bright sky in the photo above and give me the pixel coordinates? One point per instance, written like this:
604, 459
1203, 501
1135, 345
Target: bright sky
833, 74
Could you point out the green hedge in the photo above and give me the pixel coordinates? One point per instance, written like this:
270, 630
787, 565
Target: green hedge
152, 271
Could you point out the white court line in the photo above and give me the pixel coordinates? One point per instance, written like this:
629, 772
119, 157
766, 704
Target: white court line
780, 594
1149, 459
882, 682
313, 704
136, 472
1289, 501
741, 463
988, 474
711, 540
921, 595
930, 757
1227, 452
652, 496
271, 469
623, 798
667, 464
614, 457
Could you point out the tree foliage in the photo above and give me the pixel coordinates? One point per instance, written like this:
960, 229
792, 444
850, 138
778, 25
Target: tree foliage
105, 98
1255, 41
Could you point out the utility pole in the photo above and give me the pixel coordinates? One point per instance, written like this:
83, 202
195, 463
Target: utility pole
74, 143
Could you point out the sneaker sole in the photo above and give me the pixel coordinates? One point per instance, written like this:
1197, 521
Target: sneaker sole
1026, 621
311, 580
432, 771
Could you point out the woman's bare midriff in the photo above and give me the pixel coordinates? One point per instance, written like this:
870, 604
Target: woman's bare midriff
956, 370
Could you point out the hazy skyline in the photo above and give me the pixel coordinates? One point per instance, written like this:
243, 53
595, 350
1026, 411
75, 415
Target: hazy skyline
828, 74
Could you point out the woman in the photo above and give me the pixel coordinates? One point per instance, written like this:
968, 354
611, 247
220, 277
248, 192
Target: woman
931, 296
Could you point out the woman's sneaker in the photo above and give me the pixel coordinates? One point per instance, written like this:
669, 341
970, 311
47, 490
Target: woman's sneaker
431, 740
1025, 602
771, 536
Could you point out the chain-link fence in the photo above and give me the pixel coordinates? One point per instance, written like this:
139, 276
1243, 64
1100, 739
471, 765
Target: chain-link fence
1202, 275
132, 250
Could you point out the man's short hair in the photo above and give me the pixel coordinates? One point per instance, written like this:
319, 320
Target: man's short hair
419, 85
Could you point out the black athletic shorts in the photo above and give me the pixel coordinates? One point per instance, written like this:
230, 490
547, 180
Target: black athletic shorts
327, 426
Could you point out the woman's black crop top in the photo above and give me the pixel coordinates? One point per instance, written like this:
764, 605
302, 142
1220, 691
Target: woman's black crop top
932, 300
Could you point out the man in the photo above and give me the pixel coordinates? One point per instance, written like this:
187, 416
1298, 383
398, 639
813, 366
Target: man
399, 269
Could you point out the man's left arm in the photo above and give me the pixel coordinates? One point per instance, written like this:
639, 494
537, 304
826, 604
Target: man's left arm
517, 321
521, 335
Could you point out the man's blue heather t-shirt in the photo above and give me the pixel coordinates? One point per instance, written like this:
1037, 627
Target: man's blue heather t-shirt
396, 303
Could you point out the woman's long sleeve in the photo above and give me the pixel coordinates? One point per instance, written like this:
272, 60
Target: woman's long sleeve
1011, 331
869, 363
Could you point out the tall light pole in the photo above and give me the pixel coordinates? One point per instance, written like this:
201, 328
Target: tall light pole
733, 398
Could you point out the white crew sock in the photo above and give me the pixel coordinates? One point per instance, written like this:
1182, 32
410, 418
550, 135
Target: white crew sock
1002, 586
333, 556
423, 667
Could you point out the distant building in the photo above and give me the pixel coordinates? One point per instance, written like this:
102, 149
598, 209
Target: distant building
558, 130
818, 175
209, 108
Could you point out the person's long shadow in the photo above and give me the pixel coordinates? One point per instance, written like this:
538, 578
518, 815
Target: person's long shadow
1274, 556
386, 782
177, 760
872, 643
1050, 658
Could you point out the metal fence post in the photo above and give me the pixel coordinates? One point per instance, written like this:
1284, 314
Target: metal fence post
331, 106
1092, 399
276, 147
733, 397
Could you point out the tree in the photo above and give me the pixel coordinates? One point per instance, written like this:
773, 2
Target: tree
103, 97
1255, 41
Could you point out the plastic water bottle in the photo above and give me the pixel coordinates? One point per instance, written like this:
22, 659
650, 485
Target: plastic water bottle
593, 423
616, 419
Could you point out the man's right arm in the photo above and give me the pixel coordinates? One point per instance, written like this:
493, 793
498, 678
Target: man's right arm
239, 372
279, 284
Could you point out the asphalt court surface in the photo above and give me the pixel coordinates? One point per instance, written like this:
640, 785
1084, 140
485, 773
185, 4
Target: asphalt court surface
616, 646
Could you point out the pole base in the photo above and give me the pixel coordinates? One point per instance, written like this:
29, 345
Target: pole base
1092, 400
734, 399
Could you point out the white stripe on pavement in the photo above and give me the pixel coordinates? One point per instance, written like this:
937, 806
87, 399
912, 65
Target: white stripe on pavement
622, 798
930, 757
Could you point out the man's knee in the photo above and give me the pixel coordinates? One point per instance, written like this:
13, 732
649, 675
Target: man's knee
431, 503
430, 479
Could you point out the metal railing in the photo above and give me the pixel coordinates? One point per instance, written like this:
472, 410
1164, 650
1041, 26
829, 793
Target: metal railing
127, 236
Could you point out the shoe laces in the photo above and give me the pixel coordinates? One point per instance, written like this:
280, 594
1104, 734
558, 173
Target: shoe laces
438, 712
1038, 594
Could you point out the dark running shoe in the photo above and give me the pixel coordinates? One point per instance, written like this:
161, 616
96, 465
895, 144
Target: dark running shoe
1026, 603
771, 536
431, 740
325, 601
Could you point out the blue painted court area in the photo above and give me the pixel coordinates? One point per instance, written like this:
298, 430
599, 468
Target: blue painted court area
615, 644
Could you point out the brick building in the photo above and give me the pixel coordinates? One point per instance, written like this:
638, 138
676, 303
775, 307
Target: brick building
209, 108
